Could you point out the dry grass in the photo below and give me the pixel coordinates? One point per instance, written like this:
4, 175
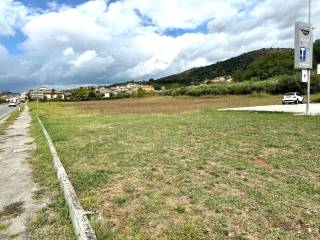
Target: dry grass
168, 104
12, 210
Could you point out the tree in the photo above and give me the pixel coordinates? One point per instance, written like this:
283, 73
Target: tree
267, 66
92, 94
316, 52
141, 92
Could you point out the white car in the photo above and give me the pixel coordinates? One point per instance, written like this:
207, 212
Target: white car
13, 104
292, 97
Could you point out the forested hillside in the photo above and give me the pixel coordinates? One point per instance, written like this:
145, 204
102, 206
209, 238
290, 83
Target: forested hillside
227, 67
267, 66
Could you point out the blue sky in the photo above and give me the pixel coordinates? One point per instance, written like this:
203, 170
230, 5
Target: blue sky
44, 4
12, 43
102, 42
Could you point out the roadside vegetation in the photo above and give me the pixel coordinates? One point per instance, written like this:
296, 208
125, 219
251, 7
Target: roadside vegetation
176, 168
4, 124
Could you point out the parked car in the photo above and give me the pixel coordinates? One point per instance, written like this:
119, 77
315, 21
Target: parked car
13, 103
292, 97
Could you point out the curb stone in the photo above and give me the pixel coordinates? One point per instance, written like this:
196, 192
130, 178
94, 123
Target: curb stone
81, 224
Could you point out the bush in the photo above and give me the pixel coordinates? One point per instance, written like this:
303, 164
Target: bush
290, 84
241, 88
280, 85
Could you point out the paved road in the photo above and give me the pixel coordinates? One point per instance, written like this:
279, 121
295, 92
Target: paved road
4, 109
16, 185
292, 108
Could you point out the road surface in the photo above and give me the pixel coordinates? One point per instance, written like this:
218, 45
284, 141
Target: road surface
4, 110
290, 108
16, 185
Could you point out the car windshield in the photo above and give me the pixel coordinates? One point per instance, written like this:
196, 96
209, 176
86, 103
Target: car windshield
290, 94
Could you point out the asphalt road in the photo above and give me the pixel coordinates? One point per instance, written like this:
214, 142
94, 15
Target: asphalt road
291, 108
4, 110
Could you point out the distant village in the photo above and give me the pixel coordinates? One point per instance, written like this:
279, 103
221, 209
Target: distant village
91, 92
96, 92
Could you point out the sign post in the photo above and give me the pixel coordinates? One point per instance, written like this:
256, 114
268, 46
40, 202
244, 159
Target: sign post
303, 57
37, 96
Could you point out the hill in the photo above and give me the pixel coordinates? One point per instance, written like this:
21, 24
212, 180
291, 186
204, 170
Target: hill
5, 95
231, 66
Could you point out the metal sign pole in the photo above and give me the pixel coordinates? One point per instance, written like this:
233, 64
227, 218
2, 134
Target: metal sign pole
309, 11
309, 71
308, 93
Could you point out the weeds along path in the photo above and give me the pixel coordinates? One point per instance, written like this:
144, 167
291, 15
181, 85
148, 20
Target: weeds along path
16, 185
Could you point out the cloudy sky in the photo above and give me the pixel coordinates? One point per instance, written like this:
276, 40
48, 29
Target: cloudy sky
66, 43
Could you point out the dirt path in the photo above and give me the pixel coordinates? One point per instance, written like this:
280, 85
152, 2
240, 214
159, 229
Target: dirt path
16, 185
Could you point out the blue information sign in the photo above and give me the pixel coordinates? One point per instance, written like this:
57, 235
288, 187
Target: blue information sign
303, 54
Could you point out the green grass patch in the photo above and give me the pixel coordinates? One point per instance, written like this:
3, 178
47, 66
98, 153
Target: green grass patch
196, 174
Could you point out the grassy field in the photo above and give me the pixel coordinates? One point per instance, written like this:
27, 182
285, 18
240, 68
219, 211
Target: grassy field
176, 168
169, 104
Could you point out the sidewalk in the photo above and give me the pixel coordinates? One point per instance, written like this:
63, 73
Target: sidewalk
16, 185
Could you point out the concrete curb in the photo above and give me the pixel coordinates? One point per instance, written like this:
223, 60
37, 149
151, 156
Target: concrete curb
81, 224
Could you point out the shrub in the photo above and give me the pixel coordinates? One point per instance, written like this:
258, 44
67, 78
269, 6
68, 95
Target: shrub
280, 85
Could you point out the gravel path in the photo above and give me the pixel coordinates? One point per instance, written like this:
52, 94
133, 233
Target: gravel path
16, 185
293, 108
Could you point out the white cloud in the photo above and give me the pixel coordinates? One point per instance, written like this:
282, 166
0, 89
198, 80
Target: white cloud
97, 42
84, 58
68, 51
12, 16
198, 62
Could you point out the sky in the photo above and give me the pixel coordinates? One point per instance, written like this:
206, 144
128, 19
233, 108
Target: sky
68, 43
